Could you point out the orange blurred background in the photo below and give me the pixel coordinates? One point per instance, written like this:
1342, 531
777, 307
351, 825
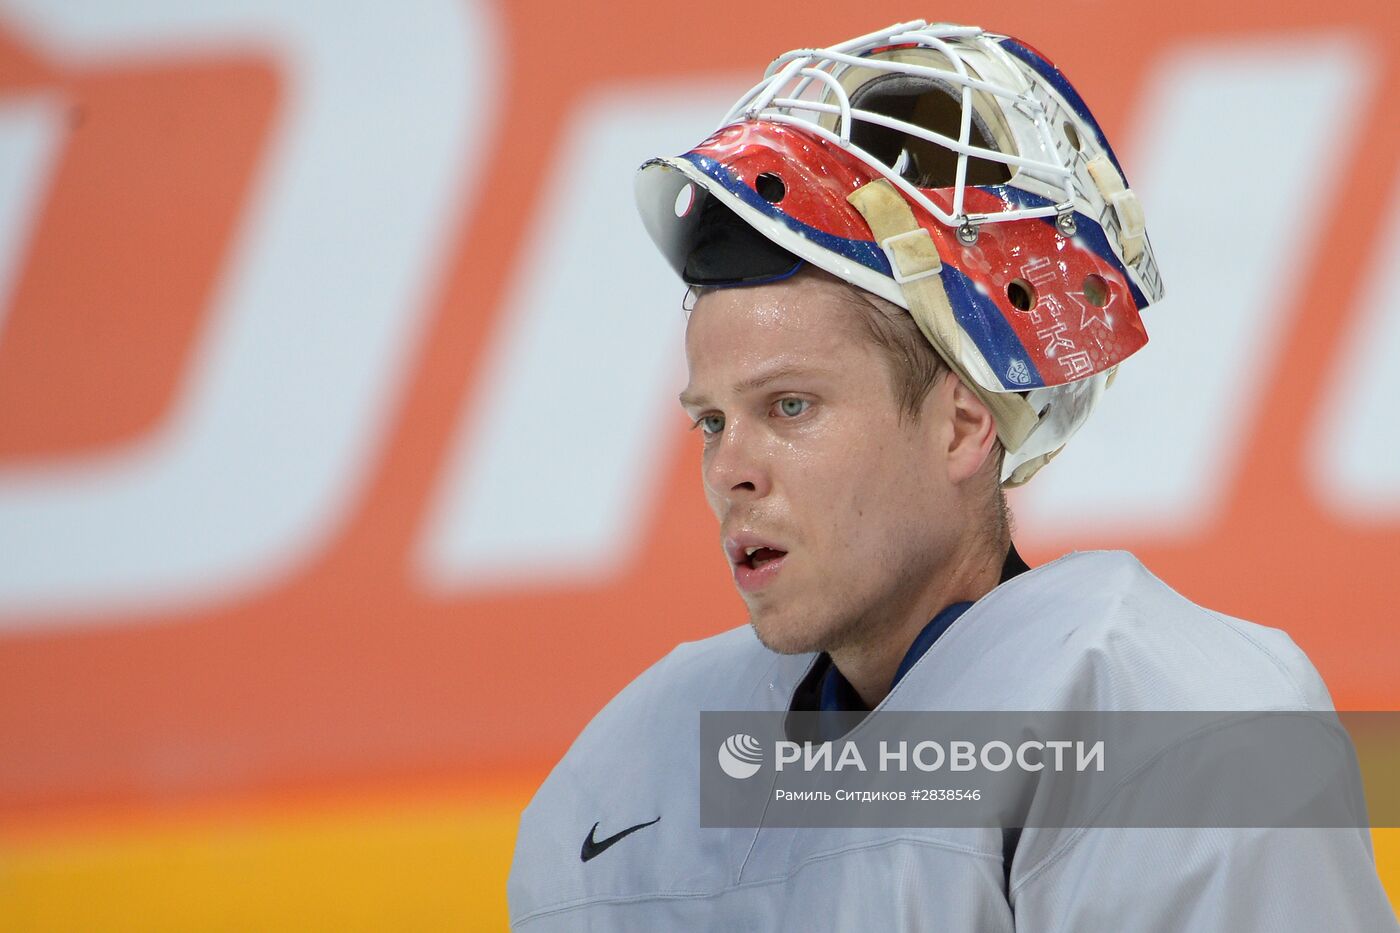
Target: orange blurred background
341, 479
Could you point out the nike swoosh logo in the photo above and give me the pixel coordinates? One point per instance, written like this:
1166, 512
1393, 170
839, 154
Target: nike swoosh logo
592, 848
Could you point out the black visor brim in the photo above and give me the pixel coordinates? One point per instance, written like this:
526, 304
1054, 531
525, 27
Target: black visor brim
725, 251
704, 241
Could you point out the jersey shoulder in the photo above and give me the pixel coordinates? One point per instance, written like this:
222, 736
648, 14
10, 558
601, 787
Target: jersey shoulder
1097, 630
637, 760
724, 671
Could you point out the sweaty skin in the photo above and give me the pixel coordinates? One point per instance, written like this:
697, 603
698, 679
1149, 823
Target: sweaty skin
881, 520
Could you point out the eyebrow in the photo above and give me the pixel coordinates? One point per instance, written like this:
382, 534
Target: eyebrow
689, 400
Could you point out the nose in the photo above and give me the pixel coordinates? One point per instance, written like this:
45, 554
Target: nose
736, 468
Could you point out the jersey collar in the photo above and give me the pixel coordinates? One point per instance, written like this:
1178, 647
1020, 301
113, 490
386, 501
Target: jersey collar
826, 689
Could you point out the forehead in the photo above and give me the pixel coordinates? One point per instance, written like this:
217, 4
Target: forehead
805, 318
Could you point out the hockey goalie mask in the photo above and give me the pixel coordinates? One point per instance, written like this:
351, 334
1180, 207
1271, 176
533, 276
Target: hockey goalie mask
953, 172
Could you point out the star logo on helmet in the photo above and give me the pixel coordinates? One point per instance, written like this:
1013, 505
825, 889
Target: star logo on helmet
1090, 313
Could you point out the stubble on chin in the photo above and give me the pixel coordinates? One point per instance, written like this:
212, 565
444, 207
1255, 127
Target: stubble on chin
802, 633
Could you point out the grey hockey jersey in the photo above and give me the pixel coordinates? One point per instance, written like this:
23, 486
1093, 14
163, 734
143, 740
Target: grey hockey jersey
1090, 631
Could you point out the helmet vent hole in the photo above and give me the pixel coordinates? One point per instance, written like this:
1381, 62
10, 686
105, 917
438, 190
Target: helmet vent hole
1072, 135
1096, 290
1021, 294
685, 199
770, 187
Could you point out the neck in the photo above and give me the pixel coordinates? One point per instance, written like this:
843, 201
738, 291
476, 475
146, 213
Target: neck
869, 664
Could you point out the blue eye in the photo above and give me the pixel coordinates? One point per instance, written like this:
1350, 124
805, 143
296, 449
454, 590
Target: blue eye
710, 424
792, 407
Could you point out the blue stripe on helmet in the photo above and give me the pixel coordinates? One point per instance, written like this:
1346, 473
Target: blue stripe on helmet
1060, 83
986, 324
864, 252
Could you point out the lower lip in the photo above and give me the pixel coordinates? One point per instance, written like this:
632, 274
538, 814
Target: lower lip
752, 579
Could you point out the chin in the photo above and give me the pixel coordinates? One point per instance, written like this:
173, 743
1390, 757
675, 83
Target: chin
790, 632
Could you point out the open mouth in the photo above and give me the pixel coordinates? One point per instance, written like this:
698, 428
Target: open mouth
756, 557
756, 563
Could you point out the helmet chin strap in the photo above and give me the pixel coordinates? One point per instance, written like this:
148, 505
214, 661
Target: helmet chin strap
916, 266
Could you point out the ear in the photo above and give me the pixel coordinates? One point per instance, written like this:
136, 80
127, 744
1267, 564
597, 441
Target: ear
974, 432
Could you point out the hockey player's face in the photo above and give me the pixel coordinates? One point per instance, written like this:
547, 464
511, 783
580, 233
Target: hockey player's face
834, 511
